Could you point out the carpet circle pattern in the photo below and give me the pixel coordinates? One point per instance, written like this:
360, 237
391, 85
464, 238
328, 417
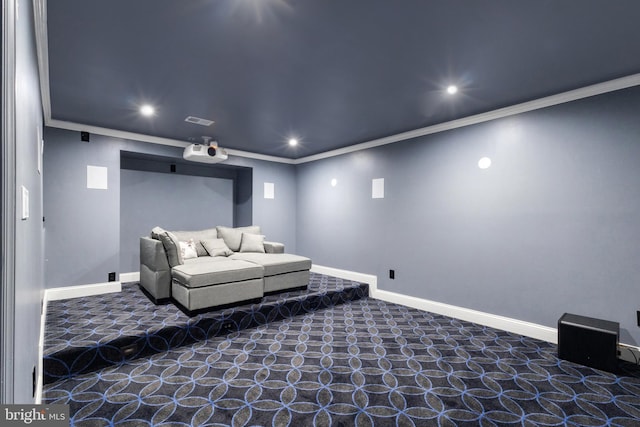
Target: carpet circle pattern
90, 333
363, 363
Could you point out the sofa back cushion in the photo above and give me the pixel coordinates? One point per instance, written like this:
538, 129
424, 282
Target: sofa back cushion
233, 236
171, 245
197, 236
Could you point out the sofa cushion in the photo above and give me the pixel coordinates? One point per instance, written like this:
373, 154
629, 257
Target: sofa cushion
222, 270
185, 236
216, 247
252, 243
275, 263
203, 259
171, 246
233, 236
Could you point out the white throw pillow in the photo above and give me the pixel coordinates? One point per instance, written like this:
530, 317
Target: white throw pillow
252, 243
188, 249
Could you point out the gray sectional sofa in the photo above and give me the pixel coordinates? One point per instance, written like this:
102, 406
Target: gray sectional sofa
219, 266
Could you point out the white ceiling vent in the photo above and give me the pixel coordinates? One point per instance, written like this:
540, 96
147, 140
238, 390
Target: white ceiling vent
198, 121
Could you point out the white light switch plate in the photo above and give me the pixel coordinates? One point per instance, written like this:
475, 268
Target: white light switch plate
25, 203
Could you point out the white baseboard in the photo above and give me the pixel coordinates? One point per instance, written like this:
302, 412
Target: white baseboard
65, 292
134, 276
520, 327
628, 353
515, 326
40, 379
81, 291
350, 275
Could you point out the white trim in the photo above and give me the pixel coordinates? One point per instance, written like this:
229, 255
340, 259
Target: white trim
134, 276
40, 379
561, 98
520, 327
154, 139
257, 156
628, 353
549, 101
515, 326
67, 292
42, 48
8, 199
60, 293
350, 275
114, 133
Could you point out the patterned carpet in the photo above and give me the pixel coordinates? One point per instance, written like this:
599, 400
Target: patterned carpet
363, 363
90, 333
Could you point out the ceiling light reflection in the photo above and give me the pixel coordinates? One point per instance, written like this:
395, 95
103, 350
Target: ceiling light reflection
484, 163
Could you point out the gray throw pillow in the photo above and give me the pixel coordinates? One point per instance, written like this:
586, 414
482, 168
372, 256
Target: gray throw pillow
216, 247
252, 243
233, 236
172, 247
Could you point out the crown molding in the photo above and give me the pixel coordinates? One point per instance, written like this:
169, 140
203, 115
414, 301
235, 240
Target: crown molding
258, 156
155, 139
549, 101
60, 124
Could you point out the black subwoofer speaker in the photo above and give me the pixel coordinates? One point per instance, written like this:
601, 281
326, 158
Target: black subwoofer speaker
588, 341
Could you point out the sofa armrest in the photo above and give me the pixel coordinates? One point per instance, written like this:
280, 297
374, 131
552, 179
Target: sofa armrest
155, 272
273, 248
152, 254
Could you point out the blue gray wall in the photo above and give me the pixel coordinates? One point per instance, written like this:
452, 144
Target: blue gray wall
83, 226
552, 226
147, 200
277, 216
29, 282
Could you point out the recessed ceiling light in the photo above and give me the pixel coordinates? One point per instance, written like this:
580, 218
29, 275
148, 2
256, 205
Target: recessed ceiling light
293, 142
334, 182
452, 89
147, 110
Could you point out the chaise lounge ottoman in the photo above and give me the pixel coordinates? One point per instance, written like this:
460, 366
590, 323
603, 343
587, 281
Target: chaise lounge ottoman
215, 282
281, 271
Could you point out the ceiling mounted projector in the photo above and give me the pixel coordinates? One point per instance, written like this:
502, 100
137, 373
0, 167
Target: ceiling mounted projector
209, 152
